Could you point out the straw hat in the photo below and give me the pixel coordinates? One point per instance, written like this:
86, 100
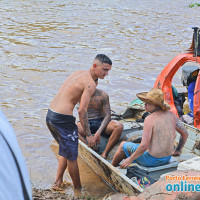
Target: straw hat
154, 96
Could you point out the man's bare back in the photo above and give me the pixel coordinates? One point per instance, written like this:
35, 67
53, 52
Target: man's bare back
163, 133
78, 84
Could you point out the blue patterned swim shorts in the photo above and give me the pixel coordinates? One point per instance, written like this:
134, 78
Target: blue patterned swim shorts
145, 159
65, 132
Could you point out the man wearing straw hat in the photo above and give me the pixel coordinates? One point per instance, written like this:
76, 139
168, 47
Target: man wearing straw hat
157, 145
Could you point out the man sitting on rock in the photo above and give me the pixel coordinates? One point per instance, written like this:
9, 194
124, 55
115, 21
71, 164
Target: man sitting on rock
159, 133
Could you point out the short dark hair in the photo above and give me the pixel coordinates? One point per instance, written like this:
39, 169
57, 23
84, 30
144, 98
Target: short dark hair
103, 59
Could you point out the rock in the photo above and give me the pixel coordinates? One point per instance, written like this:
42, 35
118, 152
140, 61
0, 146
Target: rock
116, 196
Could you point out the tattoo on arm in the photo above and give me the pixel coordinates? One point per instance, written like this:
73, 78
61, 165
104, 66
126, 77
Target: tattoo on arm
106, 105
86, 124
106, 109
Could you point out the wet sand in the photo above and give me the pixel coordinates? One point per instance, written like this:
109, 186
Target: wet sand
93, 187
45, 194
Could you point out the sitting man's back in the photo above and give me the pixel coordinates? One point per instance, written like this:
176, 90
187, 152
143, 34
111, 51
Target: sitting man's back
157, 143
162, 124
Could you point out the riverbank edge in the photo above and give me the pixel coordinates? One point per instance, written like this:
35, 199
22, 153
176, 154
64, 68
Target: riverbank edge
47, 194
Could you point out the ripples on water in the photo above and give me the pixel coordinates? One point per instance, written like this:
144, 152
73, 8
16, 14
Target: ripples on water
42, 42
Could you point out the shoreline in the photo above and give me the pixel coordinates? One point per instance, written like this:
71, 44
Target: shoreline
47, 194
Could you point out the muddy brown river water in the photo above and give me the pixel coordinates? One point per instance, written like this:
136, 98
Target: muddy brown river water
42, 42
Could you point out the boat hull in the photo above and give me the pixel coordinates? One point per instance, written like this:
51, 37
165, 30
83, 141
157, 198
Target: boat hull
110, 174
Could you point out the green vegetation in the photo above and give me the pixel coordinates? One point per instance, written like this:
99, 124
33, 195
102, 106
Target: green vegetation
194, 5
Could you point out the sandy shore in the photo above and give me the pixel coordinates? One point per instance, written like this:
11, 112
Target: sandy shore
46, 194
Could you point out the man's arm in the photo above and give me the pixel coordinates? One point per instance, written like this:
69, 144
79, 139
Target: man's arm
183, 137
144, 145
82, 111
106, 112
107, 116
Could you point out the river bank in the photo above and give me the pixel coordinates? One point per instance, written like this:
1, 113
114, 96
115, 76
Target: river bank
46, 194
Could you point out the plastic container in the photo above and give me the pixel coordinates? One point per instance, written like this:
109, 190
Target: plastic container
186, 108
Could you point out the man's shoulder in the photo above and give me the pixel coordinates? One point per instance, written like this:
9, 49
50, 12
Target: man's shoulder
171, 114
84, 78
82, 73
149, 118
98, 92
157, 115
162, 115
103, 93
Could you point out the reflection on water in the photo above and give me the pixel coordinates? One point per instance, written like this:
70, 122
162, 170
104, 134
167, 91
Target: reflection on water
42, 42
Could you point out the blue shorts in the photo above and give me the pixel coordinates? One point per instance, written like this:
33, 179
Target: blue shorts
65, 132
145, 159
94, 125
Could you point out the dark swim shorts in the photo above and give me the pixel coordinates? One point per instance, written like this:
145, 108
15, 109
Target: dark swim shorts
65, 132
94, 125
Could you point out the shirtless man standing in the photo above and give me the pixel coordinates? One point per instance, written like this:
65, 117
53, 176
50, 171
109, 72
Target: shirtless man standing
157, 143
100, 122
78, 87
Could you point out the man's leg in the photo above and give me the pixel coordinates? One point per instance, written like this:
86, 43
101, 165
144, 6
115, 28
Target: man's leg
74, 173
119, 155
114, 129
62, 165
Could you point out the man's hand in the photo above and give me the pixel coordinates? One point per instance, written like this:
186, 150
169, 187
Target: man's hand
97, 137
176, 153
126, 162
90, 140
